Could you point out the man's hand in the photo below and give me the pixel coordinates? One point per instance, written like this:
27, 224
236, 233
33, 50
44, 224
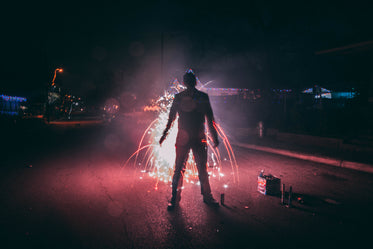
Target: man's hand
163, 137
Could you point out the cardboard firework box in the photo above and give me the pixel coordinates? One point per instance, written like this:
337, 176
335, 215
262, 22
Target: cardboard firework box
269, 185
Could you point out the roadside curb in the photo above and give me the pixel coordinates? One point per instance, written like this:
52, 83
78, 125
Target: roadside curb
308, 157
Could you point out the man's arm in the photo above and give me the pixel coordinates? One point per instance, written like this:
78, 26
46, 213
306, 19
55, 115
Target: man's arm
171, 118
211, 123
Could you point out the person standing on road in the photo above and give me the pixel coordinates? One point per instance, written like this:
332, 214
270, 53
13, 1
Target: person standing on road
194, 109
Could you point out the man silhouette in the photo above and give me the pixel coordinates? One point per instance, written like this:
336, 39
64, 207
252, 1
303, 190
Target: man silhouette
194, 109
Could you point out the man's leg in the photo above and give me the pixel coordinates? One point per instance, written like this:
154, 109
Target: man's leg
200, 156
177, 179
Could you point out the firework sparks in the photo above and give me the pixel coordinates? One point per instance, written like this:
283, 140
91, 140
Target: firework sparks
157, 161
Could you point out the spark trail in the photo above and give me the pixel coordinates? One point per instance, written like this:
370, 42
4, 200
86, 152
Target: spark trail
157, 161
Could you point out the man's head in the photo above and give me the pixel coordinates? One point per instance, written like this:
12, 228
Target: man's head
189, 80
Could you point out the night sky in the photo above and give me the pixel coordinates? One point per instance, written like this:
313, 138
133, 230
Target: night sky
106, 49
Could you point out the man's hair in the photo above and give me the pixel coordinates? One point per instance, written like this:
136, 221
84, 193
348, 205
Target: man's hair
189, 79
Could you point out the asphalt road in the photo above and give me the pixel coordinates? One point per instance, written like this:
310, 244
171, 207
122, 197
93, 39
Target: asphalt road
67, 188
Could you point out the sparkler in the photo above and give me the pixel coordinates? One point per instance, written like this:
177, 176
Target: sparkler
157, 161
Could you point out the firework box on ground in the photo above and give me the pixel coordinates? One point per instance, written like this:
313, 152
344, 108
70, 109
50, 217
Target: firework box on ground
269, 185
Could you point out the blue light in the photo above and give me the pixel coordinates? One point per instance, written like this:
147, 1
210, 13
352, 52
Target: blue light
9, 113
10, 105
13, 98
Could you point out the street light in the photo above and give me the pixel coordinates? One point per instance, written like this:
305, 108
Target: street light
60, 70
50, 94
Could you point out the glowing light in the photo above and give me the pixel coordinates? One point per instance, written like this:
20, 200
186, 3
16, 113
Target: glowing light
12, 98
158, 160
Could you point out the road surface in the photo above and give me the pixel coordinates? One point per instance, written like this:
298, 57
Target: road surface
69, 188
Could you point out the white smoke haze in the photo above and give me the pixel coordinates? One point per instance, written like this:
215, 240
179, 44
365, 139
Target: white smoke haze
151, 69
146, 74
143, 78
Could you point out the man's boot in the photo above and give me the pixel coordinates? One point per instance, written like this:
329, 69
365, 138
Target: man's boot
209, 200
175, 199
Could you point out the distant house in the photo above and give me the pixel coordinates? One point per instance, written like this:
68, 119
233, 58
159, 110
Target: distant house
354, 63
320, 92
11, 105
